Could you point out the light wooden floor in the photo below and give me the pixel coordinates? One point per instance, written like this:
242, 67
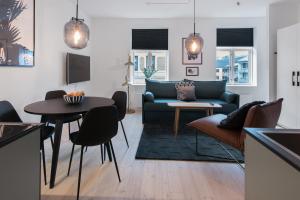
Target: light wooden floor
141, 179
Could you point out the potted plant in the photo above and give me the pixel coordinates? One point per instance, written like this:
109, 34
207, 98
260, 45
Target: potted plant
149, 72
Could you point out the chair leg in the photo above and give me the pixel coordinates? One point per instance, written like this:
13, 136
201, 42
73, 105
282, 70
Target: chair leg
233, 158
79, 176
104, 152
52, 143
101, 148
116, 164
44, 163
124, 133
78, 123
69, 126
86, 149
107, 146
71, 157
196, 132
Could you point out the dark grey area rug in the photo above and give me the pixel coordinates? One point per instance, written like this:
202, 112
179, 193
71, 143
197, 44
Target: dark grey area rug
159, 142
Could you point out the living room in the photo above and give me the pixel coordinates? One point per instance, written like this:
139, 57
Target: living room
155, 127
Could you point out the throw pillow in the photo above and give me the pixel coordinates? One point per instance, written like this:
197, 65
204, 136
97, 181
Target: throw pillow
185, 90
236, 119
149, 97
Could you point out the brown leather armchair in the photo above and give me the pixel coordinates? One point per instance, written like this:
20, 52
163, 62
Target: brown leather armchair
259, 116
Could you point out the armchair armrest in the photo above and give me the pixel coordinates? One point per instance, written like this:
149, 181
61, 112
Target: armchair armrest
230, 97
148, 97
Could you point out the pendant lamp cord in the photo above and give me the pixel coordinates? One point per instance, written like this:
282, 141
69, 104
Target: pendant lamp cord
77, 10
194, 17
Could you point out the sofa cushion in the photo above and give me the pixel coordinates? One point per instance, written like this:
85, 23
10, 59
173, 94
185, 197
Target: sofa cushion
236, 119
162, 105
161, 89
185, 90
209, 89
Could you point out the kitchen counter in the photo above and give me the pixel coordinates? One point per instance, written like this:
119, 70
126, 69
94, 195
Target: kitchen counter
10, 132
283, 142
20, 163
272, 164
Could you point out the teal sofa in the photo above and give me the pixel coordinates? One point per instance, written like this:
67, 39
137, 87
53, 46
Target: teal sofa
156, 110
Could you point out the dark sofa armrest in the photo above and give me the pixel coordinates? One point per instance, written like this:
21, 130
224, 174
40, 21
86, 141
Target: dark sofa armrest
230, 97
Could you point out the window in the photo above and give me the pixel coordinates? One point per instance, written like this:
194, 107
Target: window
235, 65
159, 61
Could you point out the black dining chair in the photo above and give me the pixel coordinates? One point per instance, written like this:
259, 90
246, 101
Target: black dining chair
9, 114
56, 94
98, 127
120, 98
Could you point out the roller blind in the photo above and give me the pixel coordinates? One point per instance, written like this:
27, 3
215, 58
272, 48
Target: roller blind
150, 39
235, 37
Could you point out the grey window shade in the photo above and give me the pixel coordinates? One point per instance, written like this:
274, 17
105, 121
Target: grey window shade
235, 37
150, 39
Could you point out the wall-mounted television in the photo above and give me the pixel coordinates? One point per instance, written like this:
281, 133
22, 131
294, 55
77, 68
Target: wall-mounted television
78, 68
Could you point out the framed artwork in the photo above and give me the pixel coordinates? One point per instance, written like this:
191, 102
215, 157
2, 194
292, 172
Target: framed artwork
17, 37
188, 60
192, 71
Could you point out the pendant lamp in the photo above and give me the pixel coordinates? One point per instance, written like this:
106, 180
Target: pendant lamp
194, 43
76, 32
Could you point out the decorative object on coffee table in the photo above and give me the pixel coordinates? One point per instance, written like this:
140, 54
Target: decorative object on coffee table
192, 71
209, 107
129, 63
16, 46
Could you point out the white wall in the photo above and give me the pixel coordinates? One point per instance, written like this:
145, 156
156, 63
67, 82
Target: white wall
22, 86
111, 43
299, 12
281, 14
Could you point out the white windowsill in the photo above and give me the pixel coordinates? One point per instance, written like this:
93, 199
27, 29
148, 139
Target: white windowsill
137, 84
248, 86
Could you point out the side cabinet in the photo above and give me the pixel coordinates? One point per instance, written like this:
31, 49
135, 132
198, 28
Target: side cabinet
288, 75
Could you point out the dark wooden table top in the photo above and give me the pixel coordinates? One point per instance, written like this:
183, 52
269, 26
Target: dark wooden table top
60, 107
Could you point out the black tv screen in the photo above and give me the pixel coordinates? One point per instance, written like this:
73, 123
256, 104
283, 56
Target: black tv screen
78, 68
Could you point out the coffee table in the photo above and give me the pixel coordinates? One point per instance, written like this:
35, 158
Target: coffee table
209, 107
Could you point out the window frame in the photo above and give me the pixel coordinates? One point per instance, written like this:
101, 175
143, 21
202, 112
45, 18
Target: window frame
251, 66
146, 52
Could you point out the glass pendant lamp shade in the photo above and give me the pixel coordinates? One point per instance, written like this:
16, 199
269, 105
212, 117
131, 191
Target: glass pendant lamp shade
194, 44
77, 34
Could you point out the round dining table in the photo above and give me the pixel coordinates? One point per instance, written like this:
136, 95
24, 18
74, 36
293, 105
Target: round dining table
58, 109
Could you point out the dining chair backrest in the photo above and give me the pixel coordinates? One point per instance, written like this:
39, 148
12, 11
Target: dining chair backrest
120, 98
99, 126
8, 112
55, 94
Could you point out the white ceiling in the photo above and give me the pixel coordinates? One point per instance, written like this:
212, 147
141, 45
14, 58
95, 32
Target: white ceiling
174, 8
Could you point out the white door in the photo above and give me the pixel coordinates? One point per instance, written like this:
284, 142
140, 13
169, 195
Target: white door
286, 75
298, 76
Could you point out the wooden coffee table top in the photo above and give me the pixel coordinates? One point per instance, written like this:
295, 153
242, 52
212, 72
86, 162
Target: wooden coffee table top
194, 105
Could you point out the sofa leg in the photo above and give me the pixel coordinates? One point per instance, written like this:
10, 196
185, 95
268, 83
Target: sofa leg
196, 132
